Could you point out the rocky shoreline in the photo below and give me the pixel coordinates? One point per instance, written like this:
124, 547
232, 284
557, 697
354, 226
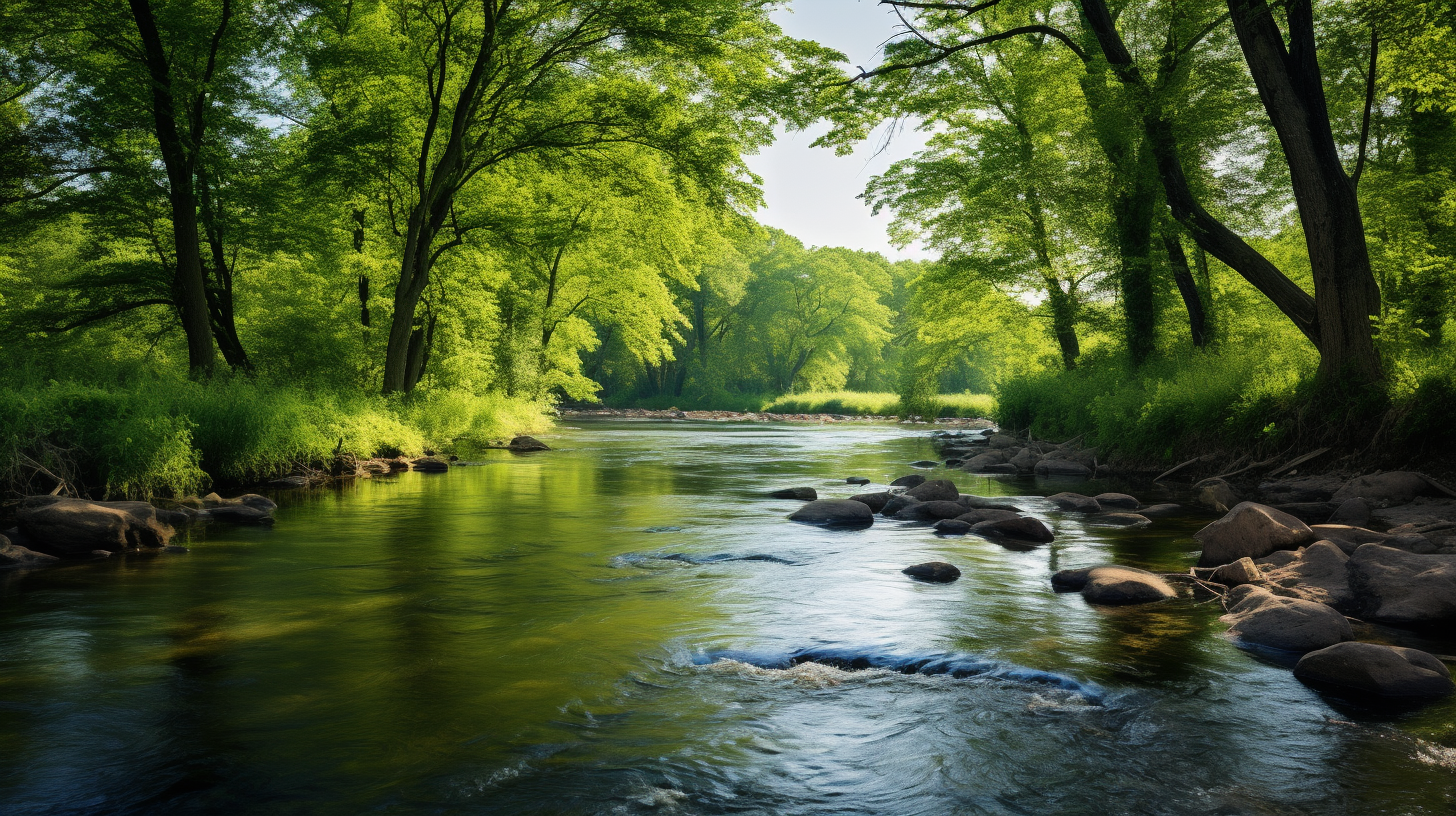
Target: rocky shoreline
1298, 565
738, 416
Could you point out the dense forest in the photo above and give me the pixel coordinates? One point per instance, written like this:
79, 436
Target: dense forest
240, 235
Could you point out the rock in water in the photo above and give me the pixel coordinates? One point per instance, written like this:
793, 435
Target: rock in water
897, 502
1021, 528
835, 512
983, 503
14, 555
253, 500
1394, 586
73, 528
913, 480
1120, 519
523, 444
1161, 511
1120, 586
1348, 538
1122, 501
1291, 624
428, 465
937, 572
934, 490
924, 463
800, 493
951, 527
1354, 512
1251, 530
1318, 574
978, 516
1370, 668
857, 480
239, 514
1075, 502
930, 511
1242, 571
876, 501
1071, 580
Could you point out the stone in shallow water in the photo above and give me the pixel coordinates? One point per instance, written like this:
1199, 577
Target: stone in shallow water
1121, 501
834, 512
876, 501
1021, 528
935, 490
952, 527
1370, 668
1252, 530
1075, 502
934, 571
1121, 586
1291, 624
800, 493
913, 480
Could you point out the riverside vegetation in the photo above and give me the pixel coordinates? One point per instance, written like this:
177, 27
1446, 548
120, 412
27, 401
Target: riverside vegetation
242, 236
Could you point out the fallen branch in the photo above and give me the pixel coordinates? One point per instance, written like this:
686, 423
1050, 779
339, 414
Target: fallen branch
1165, 474
1247, 468
1301, 460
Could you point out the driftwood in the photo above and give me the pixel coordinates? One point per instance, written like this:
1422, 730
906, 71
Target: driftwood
1264, 463
1299, 461
1169, 472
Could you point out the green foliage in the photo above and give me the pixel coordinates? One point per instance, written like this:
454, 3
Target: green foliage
857, 403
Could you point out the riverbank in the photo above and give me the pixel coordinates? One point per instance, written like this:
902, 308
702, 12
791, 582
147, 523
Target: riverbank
764, 416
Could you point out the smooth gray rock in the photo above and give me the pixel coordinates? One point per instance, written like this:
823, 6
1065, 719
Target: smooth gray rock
1075, 502
1025, 460
1215, 494
1003, 441
1157, 511
1388, 489
876, 501
897, 502
937, 572
912, 480
934, 490
978, 516
1120, 519
1120, 586
951, 527
1251, 530
1121, 501
1291, 624
1319, 574
834, 512
1021, 528
799, 493
524, 444
1308, 512
263, 503
983, 503
857, 480
981, 461
930, 511
14, 555
73, 528
1348, 538
1242, 571
1354, 512
1407, 589
1374, 669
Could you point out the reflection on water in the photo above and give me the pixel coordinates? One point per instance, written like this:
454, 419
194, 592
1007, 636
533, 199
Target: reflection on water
541, 634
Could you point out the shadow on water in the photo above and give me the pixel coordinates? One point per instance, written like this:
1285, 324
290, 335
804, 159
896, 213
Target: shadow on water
627, 625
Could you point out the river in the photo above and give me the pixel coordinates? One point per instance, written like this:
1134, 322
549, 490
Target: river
577, 632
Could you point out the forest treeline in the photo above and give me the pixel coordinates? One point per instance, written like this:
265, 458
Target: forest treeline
240, 234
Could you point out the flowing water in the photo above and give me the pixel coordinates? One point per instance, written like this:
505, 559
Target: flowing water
620, 626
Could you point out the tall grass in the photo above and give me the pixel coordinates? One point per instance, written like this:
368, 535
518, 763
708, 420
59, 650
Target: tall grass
170, 436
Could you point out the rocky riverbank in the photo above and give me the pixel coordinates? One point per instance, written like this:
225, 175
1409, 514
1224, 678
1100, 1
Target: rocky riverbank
1313, 567
737, 416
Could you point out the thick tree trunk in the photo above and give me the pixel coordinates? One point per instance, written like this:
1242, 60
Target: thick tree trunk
190, 286
1187, 288
1133, 211
1292, 91
1064, 323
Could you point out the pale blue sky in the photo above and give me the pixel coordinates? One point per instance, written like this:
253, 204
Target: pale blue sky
809, 191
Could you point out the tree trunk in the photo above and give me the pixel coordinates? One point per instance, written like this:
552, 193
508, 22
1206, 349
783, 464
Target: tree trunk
220, 296
1290, 86
1187, 288
1064, 322
190, 288
1133, 210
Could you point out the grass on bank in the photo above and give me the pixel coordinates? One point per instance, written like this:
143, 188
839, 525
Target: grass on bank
178, 437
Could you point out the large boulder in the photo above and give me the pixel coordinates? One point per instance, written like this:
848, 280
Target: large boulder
1370, 668
800, 493
1120, 586
1071, 580
1215, 494
1075, 502
930, 511
989, 459
1318, 574
1251, 530
1291, 624
876, 501
951, 527
1062, 467
1025, 461
835, 512
935, 490
1393, 586
937, 572
1121, 501
74, 528
1388, 489
1021, 528
524, 444
896, 503
14, 555
913, 480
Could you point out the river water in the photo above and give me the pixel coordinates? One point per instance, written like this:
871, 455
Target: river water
578, 632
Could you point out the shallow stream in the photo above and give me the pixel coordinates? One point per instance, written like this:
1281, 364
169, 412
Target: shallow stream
583, 632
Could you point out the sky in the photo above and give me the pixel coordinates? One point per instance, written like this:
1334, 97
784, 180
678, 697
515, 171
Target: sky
809, 192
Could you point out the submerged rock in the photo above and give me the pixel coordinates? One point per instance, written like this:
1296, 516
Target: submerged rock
933, 571
924, 463
800, 493
912, 480
1157, 511
526, 444
1118, 500
1071, 580
1120, 519
834, 512
72, 528
1251, 530
1120, 586
267, 505
240, 514
1291, 624
983, 503
1370, 668
14, 555
857, 480
1075, 502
